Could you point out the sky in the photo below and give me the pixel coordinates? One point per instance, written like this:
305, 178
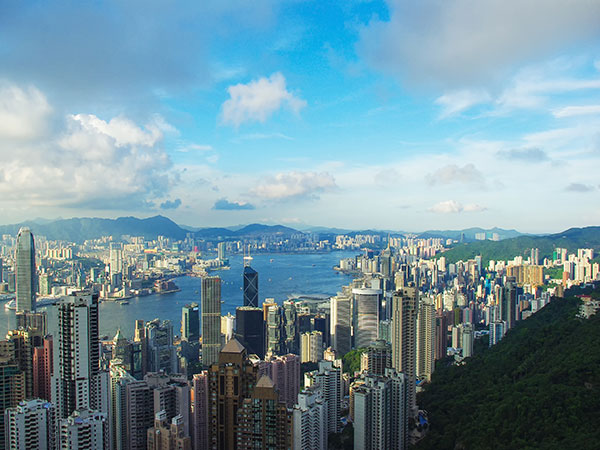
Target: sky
390, 114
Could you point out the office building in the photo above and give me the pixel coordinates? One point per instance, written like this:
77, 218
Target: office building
190, 332
230, 381
84, 430
263, 420
341, 323
160, 350
250, 279
274, 328
30, 425
365, 316
43, 369
404, 321
311, 346
25, 271
426, 326
508, 303
115, 258
168, 434
377, 358
250, 329
211, 320
291, 332
380, 412
310, 425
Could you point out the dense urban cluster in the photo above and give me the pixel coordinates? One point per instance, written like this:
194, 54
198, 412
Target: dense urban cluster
273, 376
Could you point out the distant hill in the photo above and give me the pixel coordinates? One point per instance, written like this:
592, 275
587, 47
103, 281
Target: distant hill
248, 231
469, 233
571, 239
80, 229
537, 388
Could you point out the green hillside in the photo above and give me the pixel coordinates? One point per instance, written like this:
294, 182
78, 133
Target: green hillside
571, 239
538, 388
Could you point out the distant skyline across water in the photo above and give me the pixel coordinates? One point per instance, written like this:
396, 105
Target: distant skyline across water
280, 275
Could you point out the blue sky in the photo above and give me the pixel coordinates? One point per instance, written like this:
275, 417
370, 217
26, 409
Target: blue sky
359, 114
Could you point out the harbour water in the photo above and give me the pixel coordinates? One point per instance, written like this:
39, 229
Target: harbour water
280, 275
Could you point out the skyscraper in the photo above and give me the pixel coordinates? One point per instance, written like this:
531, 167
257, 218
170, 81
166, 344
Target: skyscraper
231, 380
263, 419
211, 320
250, 286
200, 417
310, 420
250, 329
77, 382
378, 357
329, 379
366, 316
25, 271
426, 339
161, 352
508, 304
168, 436
84, 430
404, 321
311, 346
341, 323
190, 332
291, 334
274, 341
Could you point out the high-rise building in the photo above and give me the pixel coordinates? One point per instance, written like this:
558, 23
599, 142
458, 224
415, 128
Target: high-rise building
190, 332
160, 350
250, 329
12, 391
291, 333
274, 325
115, 258
441, 336
31, 424
365, 316
221, 251
171, 393
227, 327
404, 321
231, 380
426, 339
140, 408
250, 278
168, 435
380, 412
84, 430
311, 346
497, 330
119, 379
77, 381
341, 323
508, 304
25, 270
310, 420
263, 419
285, 373
377, 358
24, 341
467, 340
329, 379
42, 370
200, 423
211, 320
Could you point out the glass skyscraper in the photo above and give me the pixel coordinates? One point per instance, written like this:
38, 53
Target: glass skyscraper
211, 320
25, 271
250, 287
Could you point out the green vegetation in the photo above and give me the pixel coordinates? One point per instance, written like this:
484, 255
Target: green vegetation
571, 239
343, 440
537, 388
555, 273
351, 360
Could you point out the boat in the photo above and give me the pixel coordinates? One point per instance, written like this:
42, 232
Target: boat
123, 302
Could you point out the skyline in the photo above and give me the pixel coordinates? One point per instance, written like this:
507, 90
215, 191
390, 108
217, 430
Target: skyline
364, 115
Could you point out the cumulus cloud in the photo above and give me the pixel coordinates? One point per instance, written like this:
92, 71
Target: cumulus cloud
468, 174
258, 100
454, 207
171, 204
460, 43
225, 205
89, 161
295, 184
579, 187
524, 154
23, 112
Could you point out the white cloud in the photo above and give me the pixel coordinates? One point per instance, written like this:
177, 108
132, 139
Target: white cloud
570, 111
23, 112
454, 207
114, 164
452, 173
455, 102
467, 43
295, 184
258, 100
